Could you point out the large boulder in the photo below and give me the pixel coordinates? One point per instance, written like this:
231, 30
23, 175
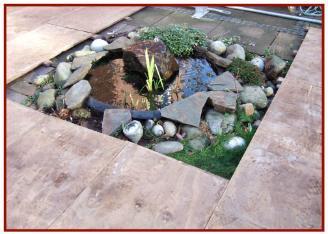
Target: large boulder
77, 94
134, 58
274, 66
254, 95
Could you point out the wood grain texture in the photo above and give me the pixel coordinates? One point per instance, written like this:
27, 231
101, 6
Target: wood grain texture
278, 183
49, 163
143, 189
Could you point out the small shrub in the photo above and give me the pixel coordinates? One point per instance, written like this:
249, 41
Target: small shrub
268, 52
180, 40
246, 71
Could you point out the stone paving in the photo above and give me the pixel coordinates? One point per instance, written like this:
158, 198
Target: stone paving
108, 183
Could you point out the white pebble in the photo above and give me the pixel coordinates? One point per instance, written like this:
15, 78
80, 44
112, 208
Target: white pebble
158, 130
234, 142
269, 91
98, 45
258, 61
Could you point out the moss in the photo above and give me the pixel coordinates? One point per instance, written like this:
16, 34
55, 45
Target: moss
179, 39
246, 71
215, 158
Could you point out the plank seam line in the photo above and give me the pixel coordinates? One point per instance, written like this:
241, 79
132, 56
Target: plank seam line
80, 30
83, 189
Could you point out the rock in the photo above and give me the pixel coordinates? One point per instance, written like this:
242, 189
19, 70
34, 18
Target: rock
77, 75
217, 61
48, 86
46, 99
270, 84
114, 119
134, 58
41, 79
169, 128
77, 94
248, 109
88, 59
158, 130
63, 72
269, 91
257, 123
220, 123
223, 101
134, 36
214, 121
119, 44
191, 132
255, 95
98, 45
278, 86
187, 111
60, 102
280, 80
235, 51
199, 143
81, 53
133, 131
149, 124
168, 147
273, 67
235, 143
81, 113
225, 82
258, 61
217, 47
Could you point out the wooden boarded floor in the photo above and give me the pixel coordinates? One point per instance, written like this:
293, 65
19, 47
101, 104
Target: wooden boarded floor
278, 183
37, 34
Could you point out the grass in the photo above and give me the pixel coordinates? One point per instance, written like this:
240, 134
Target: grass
179, 39
246, 71
215, 158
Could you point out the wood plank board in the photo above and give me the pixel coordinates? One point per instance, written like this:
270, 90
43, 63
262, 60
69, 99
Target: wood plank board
278, 183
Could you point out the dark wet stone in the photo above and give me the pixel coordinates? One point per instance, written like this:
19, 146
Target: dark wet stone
134, 58
187, 111
225, 82
113, 120
223, 101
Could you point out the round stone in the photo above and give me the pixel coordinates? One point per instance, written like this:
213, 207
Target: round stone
168, 147
258, 61
98, 45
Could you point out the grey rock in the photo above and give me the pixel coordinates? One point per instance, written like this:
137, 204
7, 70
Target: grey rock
255, 95
223, 101
114, 119
63, 72
220, 123
81, 113
76, 95
149, 124
269, 91
48, 86
225, 82
187, 111
98, 45
133, 131
169, 128
119, 44
236, 51
199, 143
217, 60
46, 99
158, 130
235, 143
273, 67
88, 59
259, 62
257, 123
81, 53
217, 47
168, 147
60, 102
191, 132
77, 75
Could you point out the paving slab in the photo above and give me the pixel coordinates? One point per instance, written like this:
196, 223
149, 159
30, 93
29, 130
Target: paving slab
148, 16
44, 42
284, 45
144, 189
87, 18
254, 38
49, 163
278, 182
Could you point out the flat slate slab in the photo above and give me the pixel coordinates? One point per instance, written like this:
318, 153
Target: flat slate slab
223, 101
188, 110
225, 82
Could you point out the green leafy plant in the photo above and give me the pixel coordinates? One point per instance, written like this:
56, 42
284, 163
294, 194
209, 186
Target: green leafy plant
179, 39
230, 40
268, 52
246, 71
30, 100
152, 81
